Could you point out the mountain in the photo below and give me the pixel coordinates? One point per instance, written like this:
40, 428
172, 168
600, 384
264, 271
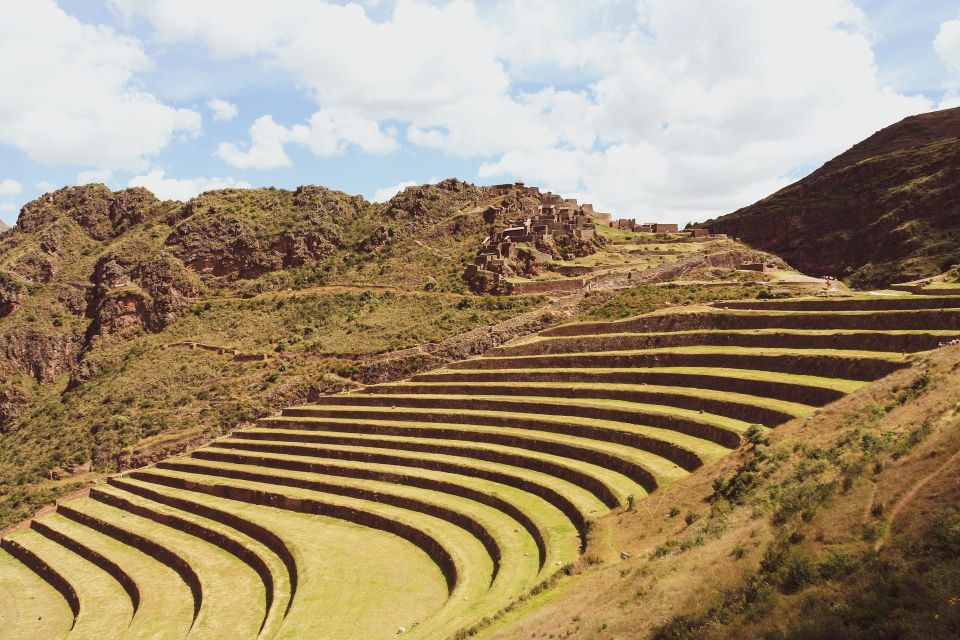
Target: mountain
3, 226
887, 210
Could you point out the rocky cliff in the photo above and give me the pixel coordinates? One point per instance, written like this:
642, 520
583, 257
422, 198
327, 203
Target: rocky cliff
887, 210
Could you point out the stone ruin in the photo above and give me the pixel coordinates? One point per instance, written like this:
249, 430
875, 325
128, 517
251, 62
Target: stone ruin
629, 224
529, 230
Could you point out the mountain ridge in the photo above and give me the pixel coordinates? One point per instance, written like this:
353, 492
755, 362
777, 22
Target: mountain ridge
886, 210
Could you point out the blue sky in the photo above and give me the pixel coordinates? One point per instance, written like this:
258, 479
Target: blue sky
674, 109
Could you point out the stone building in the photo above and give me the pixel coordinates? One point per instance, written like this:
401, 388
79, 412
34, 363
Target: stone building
535, 230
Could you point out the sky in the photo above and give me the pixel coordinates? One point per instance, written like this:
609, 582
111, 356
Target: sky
673, 110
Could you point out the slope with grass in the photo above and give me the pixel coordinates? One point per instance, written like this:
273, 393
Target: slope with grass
887, 210
440, 504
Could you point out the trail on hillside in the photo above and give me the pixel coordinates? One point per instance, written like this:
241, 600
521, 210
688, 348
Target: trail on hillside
910, 496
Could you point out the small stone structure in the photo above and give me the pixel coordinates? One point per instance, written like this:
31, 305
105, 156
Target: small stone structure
528, 231
630, 224
752, 266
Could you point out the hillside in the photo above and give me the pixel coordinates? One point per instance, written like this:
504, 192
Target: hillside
839, 524
131, 327
105, 296
268, 413
887, 210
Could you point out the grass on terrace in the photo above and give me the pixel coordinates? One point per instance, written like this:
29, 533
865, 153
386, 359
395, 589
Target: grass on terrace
794, 408
846, 386
584, 501
558, 531
105, 609
139, 393
166, 606
356, 574
758, 351
373, 571
619, 485
29, 607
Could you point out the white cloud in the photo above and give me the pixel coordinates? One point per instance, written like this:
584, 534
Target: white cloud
94, 175
695, 123
384, 194
328, 132
45, 186
9, 187
182, 189
71, 98
947, 44
222, 110
9, 207
676, 108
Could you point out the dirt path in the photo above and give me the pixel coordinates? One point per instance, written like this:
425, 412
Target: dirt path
909, 497
329, 288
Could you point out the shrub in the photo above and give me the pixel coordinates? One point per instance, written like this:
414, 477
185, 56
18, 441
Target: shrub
755, 434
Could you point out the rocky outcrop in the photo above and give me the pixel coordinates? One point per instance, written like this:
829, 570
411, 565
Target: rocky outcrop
246, 234
887, 210
416, 208
40, 354
138, 289
14, 397
100, 212
11, 293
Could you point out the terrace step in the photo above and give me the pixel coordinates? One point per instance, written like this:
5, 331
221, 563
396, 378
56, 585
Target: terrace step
645, 468
470, 576
336, 563
29, 606
669, 453
165, 606
815, 391
920, 319
183, 516
556, 536
610, 487
737, 406
847, 365
104, 609
875, 303
485, 523
576, 503
231, 595
523, 412
858, 340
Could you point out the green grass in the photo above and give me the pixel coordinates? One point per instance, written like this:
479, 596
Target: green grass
233, 596
29, 607
334, 560
837, 353
468, 598
466, 470
793, 408
558, 531
618, 483
519, 562
105, 608
624, 406
646, 298
839, 384
539, 339
166, 605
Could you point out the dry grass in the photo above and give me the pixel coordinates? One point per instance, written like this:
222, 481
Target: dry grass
681, 569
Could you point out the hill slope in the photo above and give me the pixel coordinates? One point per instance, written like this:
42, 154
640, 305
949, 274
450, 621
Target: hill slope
104, 297
887, 210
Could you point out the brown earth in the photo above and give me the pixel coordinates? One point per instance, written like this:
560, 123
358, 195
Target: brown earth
887, 210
